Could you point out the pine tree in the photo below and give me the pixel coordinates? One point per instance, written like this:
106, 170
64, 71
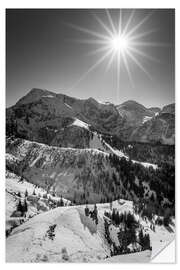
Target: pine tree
25, 207
146, 242
166, 221
19, 206
60, 202
26, 193
133, 235
95, 214
117, 218
113, 215
86, 211
110, 205
107, 234
141, 238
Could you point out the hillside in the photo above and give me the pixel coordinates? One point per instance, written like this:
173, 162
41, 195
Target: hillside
66, 234
91, 175
69, 235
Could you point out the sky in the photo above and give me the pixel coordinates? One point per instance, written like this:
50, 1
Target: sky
46, 49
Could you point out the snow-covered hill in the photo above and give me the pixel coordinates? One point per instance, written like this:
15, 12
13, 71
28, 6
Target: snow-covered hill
76, 174
37, 199
138, 257
78, 235
73, 231
65, 170
66, 234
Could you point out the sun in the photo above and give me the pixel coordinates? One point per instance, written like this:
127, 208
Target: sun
120, 43
123, 44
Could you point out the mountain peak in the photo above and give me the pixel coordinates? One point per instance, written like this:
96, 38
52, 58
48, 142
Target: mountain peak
169, 108
39, 91
131, 103
35, 94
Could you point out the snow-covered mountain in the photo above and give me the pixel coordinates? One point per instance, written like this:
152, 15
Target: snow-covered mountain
160, 128
134, 113
72, 194
169, 109
47, 117
148, 125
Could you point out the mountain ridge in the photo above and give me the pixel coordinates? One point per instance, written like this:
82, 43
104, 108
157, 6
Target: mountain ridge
130, 120
104, 102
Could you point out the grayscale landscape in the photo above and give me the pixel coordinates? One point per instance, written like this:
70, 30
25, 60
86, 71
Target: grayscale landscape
90, 165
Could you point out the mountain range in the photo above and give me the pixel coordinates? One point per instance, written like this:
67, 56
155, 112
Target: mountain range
60, 120
88, 181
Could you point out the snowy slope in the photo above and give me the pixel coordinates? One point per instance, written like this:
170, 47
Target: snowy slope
15, 186
161, 238
56, 168
98, 142
75, 237
138, 257
146, 118
80, 123
68, 171
83, 240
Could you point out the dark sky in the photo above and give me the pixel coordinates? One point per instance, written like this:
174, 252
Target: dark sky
42, 51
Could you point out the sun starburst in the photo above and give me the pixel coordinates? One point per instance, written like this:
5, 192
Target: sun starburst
121, 43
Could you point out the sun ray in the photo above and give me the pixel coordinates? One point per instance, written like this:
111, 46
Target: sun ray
110, 61
118, 73
136, 61
88, 31
140, 52
89, 41
128, 23
103, 24
111, 21
128, 69
139, 24
101, 59
134, 37
102, 49
150, 44
120, 22
122, 41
